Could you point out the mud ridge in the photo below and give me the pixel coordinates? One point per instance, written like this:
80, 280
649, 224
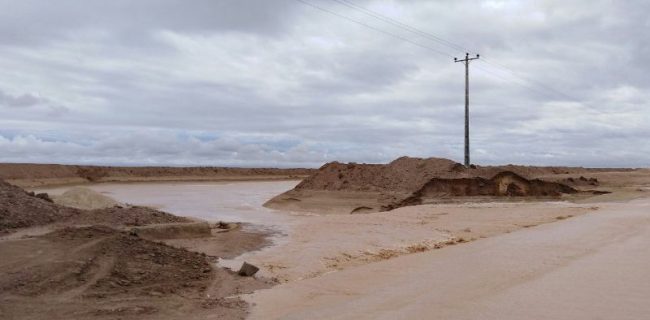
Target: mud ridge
21, 209
503, 184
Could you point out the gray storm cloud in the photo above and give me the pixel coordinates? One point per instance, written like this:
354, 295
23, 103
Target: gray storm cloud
281, 83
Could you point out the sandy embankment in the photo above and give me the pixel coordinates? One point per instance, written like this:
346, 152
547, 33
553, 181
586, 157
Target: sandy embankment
38, 175
127, 264
363, 188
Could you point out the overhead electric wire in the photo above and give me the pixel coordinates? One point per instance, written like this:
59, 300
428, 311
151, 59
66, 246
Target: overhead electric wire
375, 29
402, 25
456, 46
444, 42
522, 81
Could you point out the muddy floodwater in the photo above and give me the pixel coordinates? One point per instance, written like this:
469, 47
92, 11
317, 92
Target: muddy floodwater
212, 201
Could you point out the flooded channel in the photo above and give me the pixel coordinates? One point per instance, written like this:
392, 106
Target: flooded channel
211, 201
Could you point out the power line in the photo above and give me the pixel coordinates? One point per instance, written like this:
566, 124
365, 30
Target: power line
522, 81
413, 29
410, 29
376, 29
430, 36
402, 25
455, 46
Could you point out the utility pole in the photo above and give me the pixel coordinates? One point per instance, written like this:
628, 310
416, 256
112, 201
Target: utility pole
466, 62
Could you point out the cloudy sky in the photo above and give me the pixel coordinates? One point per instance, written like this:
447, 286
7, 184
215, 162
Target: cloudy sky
299, 83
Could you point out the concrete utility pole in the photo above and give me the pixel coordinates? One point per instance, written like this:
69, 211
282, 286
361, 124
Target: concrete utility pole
466, 62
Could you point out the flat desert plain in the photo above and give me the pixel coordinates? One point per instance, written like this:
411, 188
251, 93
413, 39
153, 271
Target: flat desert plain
412, 239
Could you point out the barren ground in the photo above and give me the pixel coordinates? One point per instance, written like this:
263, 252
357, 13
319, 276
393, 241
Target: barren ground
319, 244
28, 175
451, 257
101, 273
64, 263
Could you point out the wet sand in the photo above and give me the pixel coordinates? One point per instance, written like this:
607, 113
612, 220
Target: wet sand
588, 267
319, 244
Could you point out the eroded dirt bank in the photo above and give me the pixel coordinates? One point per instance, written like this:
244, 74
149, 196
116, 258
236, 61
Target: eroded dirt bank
358, 188
65, 263
37, 175
20, 209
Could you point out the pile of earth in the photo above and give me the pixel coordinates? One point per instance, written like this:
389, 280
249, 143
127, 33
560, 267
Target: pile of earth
410, 174
21, 209
84, 198
87, 268
112, 260
410, 181
100, 272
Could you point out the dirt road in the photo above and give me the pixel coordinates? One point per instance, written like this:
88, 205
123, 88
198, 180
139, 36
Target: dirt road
590, 267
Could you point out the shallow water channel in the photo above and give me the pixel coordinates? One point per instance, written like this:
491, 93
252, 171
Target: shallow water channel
211, 201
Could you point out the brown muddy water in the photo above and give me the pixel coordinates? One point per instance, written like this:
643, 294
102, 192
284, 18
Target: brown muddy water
211, 201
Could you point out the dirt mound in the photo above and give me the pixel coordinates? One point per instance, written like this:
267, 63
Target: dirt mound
84, 198
506, 183
100, 272
131, 216
142, 266
20, 209
110, 262
375, 187
409, 174
401, 174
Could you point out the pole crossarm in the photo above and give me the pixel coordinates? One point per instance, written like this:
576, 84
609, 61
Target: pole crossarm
466, 62
467, 58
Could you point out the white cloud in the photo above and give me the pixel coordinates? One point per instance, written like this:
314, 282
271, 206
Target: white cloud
282, 84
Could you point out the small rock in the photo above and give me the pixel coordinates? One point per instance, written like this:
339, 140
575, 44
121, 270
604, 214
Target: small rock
222, 225
247, 270
44, 196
